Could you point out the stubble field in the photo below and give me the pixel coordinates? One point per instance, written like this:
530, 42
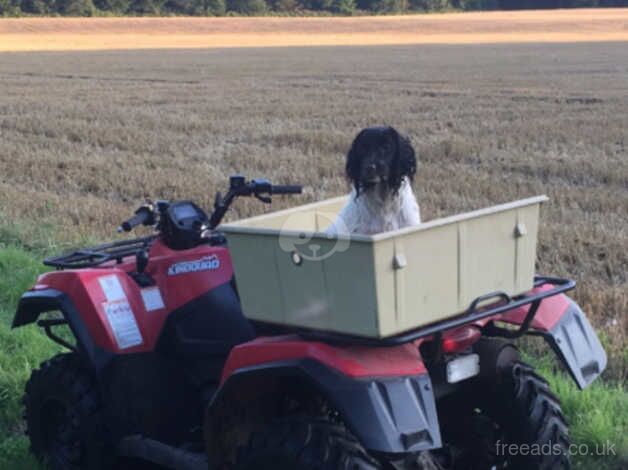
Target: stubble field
84, 136
573, 25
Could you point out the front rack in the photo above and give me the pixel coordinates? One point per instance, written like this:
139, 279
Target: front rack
97, 255
474, 313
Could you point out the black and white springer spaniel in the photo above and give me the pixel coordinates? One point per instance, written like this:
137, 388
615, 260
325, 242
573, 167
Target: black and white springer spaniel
380, 166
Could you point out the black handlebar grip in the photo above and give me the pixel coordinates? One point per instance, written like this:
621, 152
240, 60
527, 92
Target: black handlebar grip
141, 216
289, 189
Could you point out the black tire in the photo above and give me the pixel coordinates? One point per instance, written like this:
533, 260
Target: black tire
517, 424
62, 416
531, 414
304, 444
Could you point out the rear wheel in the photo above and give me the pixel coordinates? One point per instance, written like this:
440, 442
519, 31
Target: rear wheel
517, 424
304, 444
62, 416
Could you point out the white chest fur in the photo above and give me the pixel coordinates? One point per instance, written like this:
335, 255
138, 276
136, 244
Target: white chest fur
372, 212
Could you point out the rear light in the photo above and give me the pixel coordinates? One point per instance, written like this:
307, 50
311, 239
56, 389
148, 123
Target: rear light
460, 339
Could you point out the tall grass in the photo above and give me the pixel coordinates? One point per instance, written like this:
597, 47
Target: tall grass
597, 417
20, 351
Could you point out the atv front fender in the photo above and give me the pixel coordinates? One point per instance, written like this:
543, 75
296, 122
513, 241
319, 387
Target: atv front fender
386, 414
567, 330
33, 303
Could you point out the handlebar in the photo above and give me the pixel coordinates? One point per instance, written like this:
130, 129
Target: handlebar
150, 213
289, 189
239, 187
143, 216
261, 189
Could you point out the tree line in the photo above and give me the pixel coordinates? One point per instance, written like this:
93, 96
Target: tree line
259, 7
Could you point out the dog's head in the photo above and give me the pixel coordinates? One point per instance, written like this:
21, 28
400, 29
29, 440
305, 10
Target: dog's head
380, 158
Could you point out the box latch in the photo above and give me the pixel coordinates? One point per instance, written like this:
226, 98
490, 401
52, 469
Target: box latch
399, 261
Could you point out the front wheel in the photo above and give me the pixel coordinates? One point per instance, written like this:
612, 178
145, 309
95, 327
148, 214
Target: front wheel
304, 444
63, 423
514, 424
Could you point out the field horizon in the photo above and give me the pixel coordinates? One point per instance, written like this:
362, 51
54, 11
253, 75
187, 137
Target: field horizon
494, 27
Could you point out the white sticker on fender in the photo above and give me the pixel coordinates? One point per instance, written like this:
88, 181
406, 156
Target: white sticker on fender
112, 288
123, 324
152, 299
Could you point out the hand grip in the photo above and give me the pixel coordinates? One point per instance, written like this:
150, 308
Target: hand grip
142, 216
287, 189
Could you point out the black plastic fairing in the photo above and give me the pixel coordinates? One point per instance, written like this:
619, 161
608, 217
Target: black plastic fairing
390, 415
210, 324
575, 342
33, 303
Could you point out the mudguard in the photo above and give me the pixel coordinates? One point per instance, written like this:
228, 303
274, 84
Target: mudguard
576, 344
391, 414
565, 328
33, 303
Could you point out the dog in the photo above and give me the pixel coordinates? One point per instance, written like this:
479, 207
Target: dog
380, 166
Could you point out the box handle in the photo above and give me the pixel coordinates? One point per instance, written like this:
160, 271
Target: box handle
498, 295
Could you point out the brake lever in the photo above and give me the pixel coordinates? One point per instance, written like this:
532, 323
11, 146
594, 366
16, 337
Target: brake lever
265, 199
218, 200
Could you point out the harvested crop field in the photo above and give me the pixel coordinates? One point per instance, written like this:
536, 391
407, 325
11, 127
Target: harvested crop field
33, 34
85, 135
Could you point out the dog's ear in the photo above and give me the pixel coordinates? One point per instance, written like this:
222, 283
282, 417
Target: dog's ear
407, 157
352, 165
404, 162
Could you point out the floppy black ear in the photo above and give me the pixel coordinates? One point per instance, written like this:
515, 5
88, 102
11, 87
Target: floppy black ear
407, 157
404, 161
352, 165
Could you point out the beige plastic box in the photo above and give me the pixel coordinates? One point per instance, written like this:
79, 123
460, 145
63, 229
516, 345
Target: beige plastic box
289, 272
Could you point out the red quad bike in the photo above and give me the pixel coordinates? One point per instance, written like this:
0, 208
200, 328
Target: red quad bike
165, 370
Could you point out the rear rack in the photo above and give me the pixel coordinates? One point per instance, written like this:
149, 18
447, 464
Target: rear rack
97, 255
474, 313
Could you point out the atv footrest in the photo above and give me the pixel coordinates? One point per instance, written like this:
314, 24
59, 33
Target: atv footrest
159, 453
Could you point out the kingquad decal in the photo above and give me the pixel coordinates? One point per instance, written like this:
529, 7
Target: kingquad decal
208, 263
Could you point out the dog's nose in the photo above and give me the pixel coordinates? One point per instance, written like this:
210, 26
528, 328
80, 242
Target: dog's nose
370, 170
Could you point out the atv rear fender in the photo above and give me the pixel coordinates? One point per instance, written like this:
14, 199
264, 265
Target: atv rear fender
383, 395
563, 325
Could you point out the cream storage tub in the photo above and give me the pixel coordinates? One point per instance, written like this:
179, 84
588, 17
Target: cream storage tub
289, 272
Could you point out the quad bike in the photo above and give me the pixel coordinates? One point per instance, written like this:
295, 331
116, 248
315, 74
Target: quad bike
165, 369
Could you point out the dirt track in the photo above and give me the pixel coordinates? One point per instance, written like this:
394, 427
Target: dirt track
43, 34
